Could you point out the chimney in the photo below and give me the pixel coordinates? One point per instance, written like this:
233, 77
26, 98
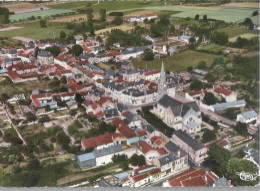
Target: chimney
205, 178
179, 153
229, 183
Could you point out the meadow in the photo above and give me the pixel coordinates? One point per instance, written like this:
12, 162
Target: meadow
235, 30
225, 14
177, 62
212, 47
33, 30
42, 14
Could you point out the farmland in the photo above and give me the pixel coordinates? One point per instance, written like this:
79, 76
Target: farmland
177, 62
34, 31
42, 14
115, 5
233, 31
225, 14
246, 35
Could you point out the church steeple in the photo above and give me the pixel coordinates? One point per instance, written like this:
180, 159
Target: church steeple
161, 88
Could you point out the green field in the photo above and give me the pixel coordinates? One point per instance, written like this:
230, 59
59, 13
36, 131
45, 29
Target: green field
108, 5
225, 14
42, 14
212, 47
255, 20
34, 31
246, 35
177, 62
233, 31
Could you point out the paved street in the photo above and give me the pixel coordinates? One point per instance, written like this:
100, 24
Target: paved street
217, 117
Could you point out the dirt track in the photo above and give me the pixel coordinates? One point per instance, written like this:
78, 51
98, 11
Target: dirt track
9, 28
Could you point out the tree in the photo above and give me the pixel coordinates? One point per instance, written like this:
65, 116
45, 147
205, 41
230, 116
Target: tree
235, 166
63, 80
117, 21
197, 17
255, 13
4, 97
208, 136
76, 50
217, 159
231, 113
34, 165
102, 14
240, 154
44, 119
201, 65
137, 160
209, 99
196, 85
78, 98
189, 68
248, 23
43, 23
148, 55
218, 69
30, 116
241, 128
62, 34
205, 17
89, 13
54, 50
63, 140
218, 60
99, 39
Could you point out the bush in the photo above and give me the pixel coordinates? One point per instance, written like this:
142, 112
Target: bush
116, 14
208, 136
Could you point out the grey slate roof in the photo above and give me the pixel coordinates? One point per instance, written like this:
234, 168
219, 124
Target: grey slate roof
172, 147
129, 118
45, 54
107, 151
178, 108
93, 67
105, 184
86, 56
221, 182
249, 114
225, 105
113, 86
111, 113
150, 129
136, 92
194, 144
85, 157
165, 159
121, 107
253, 153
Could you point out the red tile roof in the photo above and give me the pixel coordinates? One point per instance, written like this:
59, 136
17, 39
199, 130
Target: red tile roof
144, 146
162, 151
150, 15
152, 72
192, 93
223, 91
142, 132
103, 100
220, 142
139, 177
192, 177
154, 171
123, 128
113, 53
100, 114
99, 140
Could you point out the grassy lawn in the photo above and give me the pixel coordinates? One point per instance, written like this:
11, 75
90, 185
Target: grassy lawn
177, 62
212, 47
233, 30
109, 6
34, 31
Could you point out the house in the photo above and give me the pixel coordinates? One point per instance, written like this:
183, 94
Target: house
196, 150
227, 94
179, 115
185, 38
45, 57
150, 152
132, 120
196, 94
247, 117
224, 106
172, 162
98, 157
153, 75
150, 16
199, 71
221, 182
43, 99
103, 141
222, 142
191, 178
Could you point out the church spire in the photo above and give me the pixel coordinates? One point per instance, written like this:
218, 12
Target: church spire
161, 88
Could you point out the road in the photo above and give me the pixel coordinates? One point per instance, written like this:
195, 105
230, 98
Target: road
210, 127
217, 117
